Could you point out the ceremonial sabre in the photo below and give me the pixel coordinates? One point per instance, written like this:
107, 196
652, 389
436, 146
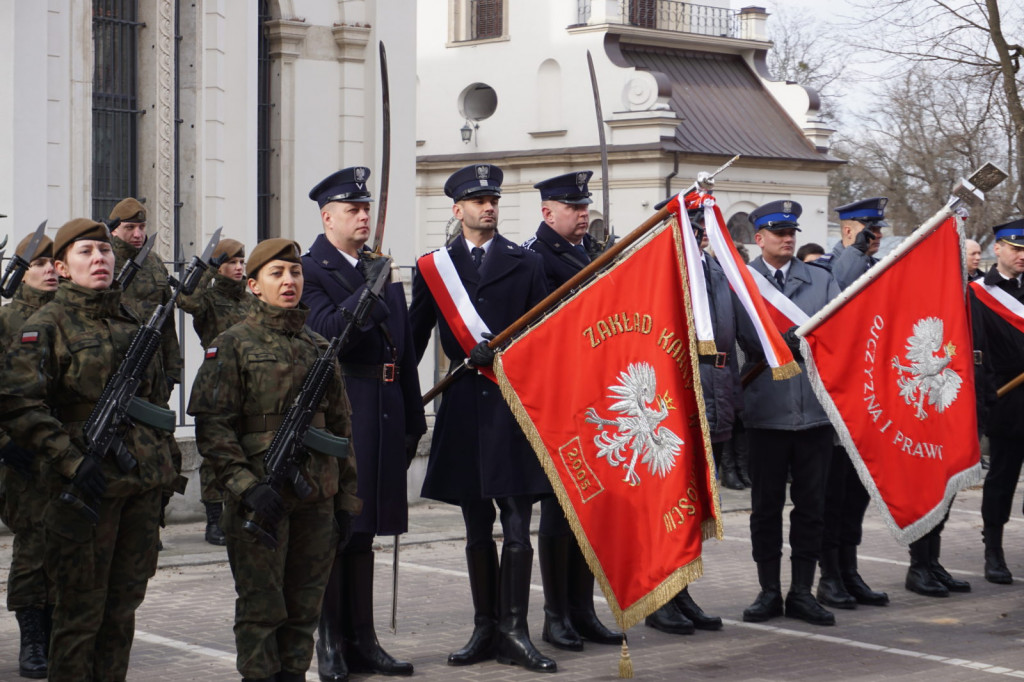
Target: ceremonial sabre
607, 230
385, 161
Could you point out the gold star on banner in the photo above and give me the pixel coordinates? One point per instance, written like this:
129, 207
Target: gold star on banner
950, 349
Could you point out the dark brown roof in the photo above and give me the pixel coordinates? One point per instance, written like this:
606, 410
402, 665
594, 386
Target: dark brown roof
723, 106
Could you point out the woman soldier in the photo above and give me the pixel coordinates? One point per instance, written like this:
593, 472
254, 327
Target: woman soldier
53, 377
251, 375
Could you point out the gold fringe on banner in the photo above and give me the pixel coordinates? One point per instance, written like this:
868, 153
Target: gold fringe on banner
786, 371
707, 348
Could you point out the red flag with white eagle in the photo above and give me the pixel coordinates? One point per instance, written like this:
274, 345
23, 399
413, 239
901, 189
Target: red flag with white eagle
893, 367
606, 389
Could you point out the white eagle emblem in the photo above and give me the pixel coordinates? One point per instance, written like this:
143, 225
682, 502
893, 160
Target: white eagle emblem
931, 377
638, 428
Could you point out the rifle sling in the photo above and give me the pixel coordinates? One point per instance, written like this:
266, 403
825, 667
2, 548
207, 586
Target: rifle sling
270, 422
140, 410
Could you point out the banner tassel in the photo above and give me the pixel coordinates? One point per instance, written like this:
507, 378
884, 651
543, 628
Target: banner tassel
625, 662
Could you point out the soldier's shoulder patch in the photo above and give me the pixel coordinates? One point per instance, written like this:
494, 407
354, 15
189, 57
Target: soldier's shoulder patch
211, 352
29, 337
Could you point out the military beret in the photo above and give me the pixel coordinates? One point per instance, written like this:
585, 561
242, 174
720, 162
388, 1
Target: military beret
77, 230
229, 248
129, 210
348, 184
776, 215
1011, 232
272, 249
570, 188
868, 211
44, 250
480, 179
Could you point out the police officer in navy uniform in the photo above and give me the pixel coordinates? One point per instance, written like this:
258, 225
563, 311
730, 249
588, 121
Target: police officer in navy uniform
790, 433
564, 245
379, 365
479, 456
846, 499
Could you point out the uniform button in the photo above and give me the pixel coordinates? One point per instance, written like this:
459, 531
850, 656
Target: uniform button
483, 393
480, 300
384, 416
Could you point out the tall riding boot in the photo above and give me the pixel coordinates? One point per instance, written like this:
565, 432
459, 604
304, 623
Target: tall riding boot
483, 584
727, 468
702, 621
996, 570
741, 453
941, 574
32, 655
799, 602
363, 653
581, 601
768, 604
330, 646
854, 584
214, 534
514, 645
919, 575
554, 574
831, 591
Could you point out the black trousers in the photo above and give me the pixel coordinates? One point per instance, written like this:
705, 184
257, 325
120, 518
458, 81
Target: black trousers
479, 516
774, 455
846, 500
552, 519
1005, 457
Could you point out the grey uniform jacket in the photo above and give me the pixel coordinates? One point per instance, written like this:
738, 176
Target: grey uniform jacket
787, 405
721, 385
846, 264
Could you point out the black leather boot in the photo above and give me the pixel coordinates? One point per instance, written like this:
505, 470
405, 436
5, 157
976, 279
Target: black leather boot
514, 645
363, 653
483, 584
260, 679
919, 575
800, 603
214, 534
996, 570
330, 646
32, 655
581, 601
727, 468
669, 619
554, 574
768, 604
285, 676
702, 621
831, 590
941, 574
854, 584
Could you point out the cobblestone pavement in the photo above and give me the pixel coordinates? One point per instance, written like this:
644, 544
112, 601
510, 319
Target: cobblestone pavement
183, 630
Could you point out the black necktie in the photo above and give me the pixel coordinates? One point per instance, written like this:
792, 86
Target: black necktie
582, 253
780, 278
478, 256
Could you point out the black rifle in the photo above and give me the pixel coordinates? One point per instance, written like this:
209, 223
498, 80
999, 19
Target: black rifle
295, 437
16, 268
118, 408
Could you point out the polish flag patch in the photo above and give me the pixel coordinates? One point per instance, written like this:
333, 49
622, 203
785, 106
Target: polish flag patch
211, 353
29, 337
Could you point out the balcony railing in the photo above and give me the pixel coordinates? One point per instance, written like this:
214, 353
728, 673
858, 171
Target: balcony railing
670, 15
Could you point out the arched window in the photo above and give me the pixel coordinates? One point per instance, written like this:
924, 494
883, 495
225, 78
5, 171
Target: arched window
740, 229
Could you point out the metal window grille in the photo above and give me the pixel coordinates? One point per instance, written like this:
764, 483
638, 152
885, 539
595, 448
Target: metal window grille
114, 108
683, 17
487, 18
263, 108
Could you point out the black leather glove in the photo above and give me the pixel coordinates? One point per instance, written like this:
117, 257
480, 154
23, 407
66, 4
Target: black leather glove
89, 478
865, 238
165, 499
370, 267
482, 355
793, 341
17, 458
344, 521
412, 441
265, 502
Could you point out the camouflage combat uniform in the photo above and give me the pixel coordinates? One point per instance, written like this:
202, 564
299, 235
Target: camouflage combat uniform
217, 303
52, 379
22, 500
250, 377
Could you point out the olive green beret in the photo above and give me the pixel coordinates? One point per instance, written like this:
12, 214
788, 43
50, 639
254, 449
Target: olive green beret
44, 250
129, 210
229, 248
74, 230
272, 249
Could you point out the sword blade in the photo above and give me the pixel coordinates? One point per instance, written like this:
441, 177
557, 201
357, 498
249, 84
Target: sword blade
211, 245
394, 587
608, 229
385, 161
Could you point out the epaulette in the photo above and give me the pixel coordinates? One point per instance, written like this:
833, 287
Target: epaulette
528, 243
825, 262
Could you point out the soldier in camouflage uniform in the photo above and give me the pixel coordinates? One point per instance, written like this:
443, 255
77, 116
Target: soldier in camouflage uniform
251, 375
22, 496
220, 301
146, 291
51, 381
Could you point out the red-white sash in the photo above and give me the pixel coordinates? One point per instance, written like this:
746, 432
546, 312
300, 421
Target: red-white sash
791, 314
1001, 303
454, 301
